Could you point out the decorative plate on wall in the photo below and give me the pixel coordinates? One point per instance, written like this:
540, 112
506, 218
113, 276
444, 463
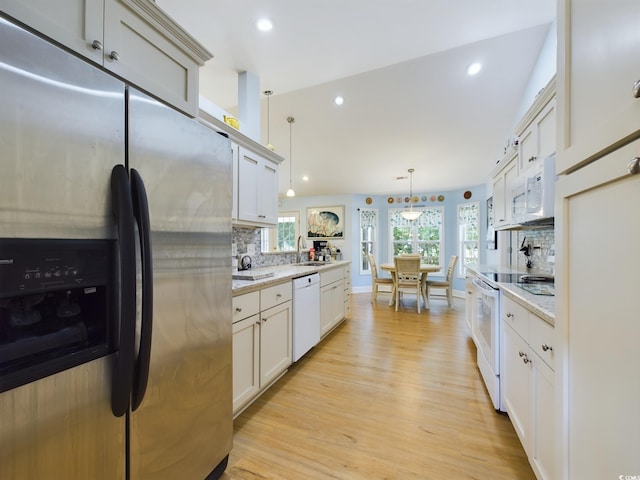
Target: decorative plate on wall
440, 198
415, 199
399, 199
390, 200
368, 200
407, 199
433, 198
424, 198
467, 194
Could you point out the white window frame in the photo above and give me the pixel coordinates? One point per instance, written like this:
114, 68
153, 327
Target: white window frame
368, 217
467, 219
269, 237
428, 214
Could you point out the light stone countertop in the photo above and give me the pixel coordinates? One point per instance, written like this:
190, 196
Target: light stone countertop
281, 273
541, 305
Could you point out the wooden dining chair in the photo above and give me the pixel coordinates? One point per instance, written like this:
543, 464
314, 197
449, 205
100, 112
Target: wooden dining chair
376, 281
447, 284
407, 276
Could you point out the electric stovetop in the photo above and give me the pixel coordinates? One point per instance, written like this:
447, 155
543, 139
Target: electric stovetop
532, 283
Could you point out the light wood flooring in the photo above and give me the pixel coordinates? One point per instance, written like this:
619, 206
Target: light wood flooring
385, 396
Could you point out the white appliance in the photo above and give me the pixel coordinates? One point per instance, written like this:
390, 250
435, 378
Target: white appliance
88, 161
532, 194
486, 333
306, 314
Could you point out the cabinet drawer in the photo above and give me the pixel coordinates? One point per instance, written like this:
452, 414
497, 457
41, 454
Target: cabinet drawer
330, 276
515, 315
272, 296
541, 339
244, 306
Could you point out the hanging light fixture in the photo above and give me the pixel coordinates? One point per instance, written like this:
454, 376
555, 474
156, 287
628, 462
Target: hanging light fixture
268, 93
410, 214
290, 192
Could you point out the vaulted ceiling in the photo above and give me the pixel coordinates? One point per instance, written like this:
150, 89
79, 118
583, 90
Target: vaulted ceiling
400, 66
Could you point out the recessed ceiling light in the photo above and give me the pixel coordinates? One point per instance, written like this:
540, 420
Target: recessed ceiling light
264, 24
305, 178
474, 68
338, 100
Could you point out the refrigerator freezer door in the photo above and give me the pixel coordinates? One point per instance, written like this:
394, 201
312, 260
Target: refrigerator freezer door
183, 427
61, 132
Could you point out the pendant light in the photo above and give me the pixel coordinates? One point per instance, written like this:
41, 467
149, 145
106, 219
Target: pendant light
268, 93
290, 192
410, 214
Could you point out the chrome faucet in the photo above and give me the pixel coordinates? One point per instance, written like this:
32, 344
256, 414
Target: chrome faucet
299, 248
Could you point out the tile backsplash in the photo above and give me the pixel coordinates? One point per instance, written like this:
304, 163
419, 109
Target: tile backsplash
243, 237
542, 246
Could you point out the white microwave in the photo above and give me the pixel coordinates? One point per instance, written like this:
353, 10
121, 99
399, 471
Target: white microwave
532, 195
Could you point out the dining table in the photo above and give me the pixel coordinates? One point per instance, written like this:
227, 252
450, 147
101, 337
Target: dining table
425, 269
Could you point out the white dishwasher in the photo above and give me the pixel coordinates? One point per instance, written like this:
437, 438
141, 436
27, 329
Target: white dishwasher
306, 314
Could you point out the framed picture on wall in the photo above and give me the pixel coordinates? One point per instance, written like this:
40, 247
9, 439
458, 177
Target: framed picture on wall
325, 222
492, 235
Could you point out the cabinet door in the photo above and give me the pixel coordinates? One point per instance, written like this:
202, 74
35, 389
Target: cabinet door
538, 141
275, 342
146, 58
246, 348
257, 188
542, 452
515, 382
598, 44
502, 185
597, 228
268, 187
331, 306
76, 24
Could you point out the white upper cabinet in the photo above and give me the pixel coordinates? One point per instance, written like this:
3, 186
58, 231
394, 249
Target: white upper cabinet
598, 45
257, 188
134, 39
537, 130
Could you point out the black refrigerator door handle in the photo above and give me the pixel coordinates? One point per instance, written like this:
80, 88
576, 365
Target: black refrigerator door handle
141, 213
126, 297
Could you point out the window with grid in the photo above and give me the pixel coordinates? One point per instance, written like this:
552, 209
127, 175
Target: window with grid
468, 236
284, 237
368, 237
424, 236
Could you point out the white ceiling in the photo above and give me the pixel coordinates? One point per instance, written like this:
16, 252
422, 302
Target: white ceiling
401, 67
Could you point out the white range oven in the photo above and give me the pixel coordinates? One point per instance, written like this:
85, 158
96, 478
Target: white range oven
486, 333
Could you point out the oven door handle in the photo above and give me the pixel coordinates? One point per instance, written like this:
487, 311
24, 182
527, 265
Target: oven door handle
125, 312
141, 213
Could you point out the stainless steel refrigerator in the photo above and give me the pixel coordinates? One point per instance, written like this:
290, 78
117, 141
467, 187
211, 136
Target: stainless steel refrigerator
115, 276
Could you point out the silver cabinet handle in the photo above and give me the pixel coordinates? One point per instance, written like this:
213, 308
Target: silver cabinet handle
278, 295
636, 89
238, 309
526, 360
634, 166
114, 56
521, 354
532, 159
509, 315
546, 347
96, 45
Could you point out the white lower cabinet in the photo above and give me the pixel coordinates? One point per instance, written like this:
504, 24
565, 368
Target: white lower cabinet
332, 299
261, 341
528, 383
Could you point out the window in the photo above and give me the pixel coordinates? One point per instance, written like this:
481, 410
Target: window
368, 237
283, 238
468, 235
424, 236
